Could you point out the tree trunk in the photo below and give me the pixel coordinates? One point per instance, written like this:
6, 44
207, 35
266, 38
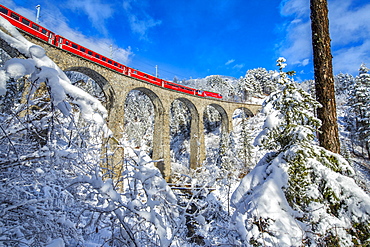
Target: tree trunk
324, 80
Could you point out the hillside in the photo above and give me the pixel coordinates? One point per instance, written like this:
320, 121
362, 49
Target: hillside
59, 187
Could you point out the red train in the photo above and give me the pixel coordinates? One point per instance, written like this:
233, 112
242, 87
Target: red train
48, 36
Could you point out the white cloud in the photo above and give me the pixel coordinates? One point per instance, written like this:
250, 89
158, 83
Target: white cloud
296, 47
348, 24
239, 66
98, 12
230, 61
349, 29
349, 59
305, 62
294, 7
53, 19
100, 45
139, 23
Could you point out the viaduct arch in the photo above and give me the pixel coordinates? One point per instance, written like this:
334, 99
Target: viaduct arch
116, 88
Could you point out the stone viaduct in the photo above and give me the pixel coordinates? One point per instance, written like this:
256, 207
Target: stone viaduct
116, 87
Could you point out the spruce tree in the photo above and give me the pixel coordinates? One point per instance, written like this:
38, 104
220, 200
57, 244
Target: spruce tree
299, 194
359, 102
245, 88
246, 149
343, 83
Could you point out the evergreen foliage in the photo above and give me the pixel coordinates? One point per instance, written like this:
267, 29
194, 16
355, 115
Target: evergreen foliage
292, 120
54, 191
343, 83
300, 194
180, 133
139, 120
359, 113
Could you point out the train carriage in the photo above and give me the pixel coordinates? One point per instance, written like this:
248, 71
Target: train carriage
27, 25
40, 32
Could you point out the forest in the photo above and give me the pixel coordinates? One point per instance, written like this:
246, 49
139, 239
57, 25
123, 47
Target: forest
267, 183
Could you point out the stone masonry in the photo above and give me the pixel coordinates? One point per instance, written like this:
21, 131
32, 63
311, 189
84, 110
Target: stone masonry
116, 87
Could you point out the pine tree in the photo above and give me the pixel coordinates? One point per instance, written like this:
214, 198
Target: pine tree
253, 83
217, 84
299, 193
292, 116
343, 83
264, 79
246, 149
245, 88
324, 81
53, 191
180, 133
359, 101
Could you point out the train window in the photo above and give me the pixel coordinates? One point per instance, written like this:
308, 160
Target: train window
146, 76
82, 49
115, 64
26, 22
90, 53
44, 31
109, 61
15, 16
3, 10
103, 58
135, 72
34, 26
74, 46
67, 43
97, 56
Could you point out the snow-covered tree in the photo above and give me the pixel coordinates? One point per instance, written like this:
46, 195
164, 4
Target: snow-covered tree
180, 133
246, 88
256, 83
53, 190
343, 83
246, 148
264, 79
308, 86
299, 194
358, 102
139, 120
253, 83
217, 84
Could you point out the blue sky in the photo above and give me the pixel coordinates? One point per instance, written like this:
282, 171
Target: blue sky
195, 38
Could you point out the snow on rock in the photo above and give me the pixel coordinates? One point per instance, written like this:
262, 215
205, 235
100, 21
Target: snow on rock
56, 243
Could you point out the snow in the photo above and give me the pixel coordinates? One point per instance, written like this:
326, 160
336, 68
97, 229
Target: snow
42, 69
300, 192
260, 195
281, 62
56, 243
145, 211
17, 68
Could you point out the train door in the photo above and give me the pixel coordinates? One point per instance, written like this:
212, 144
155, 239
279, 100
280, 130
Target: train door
51, 38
